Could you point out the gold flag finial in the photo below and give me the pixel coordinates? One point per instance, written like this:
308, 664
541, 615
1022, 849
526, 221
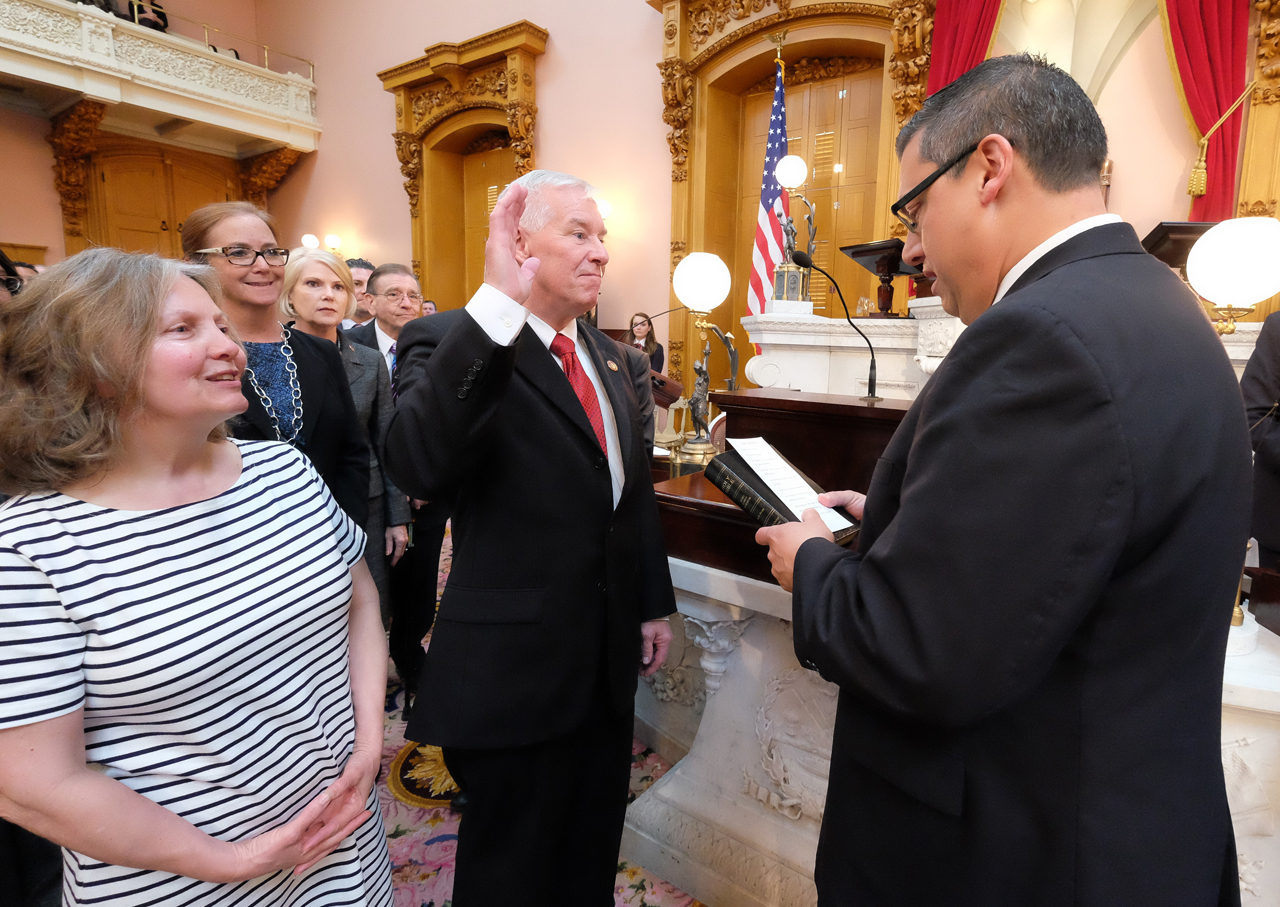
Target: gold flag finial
779, 39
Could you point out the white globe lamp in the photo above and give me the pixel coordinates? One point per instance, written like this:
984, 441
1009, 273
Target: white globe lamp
310, 240
1215, 273
791, 172
701, 281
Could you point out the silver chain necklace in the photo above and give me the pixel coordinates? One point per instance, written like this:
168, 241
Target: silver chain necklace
294, 389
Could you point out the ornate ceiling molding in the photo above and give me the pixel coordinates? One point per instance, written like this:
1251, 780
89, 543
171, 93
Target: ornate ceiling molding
815, 69
873, 11
714, 15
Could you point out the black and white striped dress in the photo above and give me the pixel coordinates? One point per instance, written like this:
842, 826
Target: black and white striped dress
208, 646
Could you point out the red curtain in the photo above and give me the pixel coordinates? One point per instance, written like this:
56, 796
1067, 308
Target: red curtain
963, 31
1208, 40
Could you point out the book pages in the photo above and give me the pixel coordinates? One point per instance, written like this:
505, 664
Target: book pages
784, 481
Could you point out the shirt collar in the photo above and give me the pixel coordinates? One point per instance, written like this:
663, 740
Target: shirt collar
1049, 245
385, 340
546, 333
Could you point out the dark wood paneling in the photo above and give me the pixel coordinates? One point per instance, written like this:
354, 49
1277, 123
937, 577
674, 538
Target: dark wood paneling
835, 440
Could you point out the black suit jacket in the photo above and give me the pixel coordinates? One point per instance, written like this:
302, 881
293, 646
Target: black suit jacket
364, 335
1260, 386
330, 427
1029, 641
550, 581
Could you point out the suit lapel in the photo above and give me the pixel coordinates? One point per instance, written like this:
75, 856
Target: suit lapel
615, 381
535, 362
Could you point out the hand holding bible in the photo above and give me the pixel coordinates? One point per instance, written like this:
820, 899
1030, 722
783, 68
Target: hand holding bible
785, 540
503, 269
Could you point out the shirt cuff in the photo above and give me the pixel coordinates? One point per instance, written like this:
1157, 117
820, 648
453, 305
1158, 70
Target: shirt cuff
501, 317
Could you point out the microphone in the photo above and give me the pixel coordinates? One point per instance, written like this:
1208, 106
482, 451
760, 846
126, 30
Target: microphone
805, 261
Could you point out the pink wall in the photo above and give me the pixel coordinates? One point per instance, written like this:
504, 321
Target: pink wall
238, 18
599, 117
30, 212
1151, 147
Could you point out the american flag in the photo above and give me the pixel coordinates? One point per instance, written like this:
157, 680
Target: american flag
767, 253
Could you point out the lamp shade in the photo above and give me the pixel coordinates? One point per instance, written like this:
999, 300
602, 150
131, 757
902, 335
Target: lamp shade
1228, 264
310, 241
791, 171
701, 281
333, 241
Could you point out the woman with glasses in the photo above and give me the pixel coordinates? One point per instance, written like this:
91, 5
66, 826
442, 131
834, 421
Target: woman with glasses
318, 292
295, 384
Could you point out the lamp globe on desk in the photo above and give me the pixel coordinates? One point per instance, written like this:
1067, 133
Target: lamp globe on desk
701, 282
1214, 274
791, 171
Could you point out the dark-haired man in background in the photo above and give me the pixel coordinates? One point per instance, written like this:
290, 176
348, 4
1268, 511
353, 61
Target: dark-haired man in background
1029, 640
360, 271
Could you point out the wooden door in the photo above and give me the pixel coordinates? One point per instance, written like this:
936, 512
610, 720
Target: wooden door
834, 125
135, 203
484, 175
196, 185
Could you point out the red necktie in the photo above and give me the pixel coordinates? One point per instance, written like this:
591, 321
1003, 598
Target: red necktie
562, 347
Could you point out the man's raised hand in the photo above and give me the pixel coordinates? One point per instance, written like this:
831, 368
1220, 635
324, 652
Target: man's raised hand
502, 267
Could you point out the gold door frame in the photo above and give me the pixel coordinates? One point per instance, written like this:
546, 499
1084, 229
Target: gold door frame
455, 93
696, 63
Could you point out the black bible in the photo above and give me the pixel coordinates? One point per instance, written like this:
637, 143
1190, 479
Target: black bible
730, 473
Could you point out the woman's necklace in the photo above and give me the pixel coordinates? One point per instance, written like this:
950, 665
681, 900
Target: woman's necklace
294, 389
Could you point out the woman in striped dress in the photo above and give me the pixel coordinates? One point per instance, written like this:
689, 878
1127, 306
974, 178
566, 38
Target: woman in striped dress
192, 664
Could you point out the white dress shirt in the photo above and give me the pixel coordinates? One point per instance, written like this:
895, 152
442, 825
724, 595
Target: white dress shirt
385, 342
502, 318
1048, 245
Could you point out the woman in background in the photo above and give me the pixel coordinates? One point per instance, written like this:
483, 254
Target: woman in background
192, 670
317, 294
641, 336
295, 384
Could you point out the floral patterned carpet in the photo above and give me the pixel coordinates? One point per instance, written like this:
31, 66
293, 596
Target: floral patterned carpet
422, 831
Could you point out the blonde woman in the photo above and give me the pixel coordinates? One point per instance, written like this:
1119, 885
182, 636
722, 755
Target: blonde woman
317, 294
192, 669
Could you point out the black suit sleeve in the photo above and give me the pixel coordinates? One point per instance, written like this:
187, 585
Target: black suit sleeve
1260, 386
658, 358
393, 499
997, 532
451, 378
639, 366
349, 479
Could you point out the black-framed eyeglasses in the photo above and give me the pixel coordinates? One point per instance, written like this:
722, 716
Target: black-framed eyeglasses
13, 285
239, 255
924, 184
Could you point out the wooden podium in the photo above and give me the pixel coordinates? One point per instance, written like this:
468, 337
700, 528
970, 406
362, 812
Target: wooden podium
835, 440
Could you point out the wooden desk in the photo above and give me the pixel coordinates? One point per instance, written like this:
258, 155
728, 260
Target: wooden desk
835, 440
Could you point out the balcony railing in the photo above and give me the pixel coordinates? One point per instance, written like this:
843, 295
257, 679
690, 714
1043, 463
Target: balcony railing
85, 50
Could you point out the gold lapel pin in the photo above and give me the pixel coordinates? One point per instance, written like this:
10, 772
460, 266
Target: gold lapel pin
613, 365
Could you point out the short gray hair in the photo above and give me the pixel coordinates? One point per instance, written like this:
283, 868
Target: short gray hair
1039, 108
537, 211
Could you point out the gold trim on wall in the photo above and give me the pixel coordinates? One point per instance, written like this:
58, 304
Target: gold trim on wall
690, 66
480, 88
1260, 166
74, 137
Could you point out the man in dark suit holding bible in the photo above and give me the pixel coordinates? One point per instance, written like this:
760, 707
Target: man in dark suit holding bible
1029, 639
527, 422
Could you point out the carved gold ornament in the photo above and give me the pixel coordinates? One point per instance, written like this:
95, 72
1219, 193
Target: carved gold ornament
74, 138
912, 52
263, 172
409, 152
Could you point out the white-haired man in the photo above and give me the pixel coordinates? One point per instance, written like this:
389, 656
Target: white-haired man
528, 422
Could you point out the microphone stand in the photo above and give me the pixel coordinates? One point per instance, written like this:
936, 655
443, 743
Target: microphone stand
805, 261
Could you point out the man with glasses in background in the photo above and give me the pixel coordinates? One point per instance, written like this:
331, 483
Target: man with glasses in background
1029, 639
395, 300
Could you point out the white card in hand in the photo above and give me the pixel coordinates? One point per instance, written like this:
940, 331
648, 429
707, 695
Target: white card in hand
784, 481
